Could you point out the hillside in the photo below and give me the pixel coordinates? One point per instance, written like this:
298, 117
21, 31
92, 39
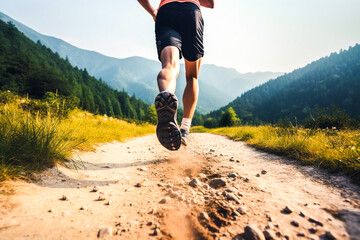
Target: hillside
32, 68
137, 75
332, 80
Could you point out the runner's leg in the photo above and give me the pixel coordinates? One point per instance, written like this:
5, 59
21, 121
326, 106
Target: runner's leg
166, 103
191, 92
170, 69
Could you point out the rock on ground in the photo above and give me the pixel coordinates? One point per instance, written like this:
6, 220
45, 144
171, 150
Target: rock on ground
253, 233
217, 182
105, 232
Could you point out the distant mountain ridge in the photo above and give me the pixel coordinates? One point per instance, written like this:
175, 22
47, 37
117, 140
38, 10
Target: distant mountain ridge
331, 80
137, 75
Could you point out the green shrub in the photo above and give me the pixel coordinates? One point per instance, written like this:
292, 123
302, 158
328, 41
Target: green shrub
229, 119
30, 143
53, 104
211, 123
7, 97
332, 118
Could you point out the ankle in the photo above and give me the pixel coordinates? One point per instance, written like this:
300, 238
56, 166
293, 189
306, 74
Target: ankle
186, 124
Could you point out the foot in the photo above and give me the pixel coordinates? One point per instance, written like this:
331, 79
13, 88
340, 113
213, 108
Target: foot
184, 136
167, 130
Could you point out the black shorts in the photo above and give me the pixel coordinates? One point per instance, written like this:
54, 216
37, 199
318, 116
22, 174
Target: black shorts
180, 25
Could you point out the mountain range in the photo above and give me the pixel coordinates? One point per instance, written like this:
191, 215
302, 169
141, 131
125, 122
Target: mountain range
137, 75
330, 81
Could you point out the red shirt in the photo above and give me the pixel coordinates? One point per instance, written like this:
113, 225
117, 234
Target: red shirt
163, 2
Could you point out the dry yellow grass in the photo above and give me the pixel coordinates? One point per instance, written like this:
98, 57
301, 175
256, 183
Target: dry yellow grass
30, 143
331, 149
88, 130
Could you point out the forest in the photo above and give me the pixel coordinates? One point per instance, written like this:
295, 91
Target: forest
33, 70
328, 83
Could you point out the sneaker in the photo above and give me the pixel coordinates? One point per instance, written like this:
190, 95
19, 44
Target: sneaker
167, 129
184, 136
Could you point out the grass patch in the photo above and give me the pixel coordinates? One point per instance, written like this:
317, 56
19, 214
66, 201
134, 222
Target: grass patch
88, 130
337, 151
31, 143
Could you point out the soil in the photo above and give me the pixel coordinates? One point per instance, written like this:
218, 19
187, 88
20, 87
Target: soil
139, 190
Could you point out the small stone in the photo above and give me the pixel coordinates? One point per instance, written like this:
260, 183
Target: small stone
63, 198
288, 210
153, 211
138, 185
156, 232
143, 169
212, 150
187, 179
83, 208
295, 223
108, 203
101, 198
204, 215
232, 197
105, 232
95, 189
232, 159
202, 176
269, 235
300, 235
51, 210
165, 200
169, 185
217, 182
331, 236
195, 182
175, 195
238, 161
242, 210
318, 223
232, 175
258, 175
253, 233
206, 186
302, 214
312, 230
263, 172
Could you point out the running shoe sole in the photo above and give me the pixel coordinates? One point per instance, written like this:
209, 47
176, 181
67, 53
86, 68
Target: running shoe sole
167, 130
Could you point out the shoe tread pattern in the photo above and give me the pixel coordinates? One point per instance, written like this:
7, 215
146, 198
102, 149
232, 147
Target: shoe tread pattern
167, 130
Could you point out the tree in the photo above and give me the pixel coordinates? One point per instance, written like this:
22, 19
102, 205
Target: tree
150, 114
210, 123
228, 118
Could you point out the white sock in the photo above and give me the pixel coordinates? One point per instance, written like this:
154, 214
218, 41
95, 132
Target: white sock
185, 124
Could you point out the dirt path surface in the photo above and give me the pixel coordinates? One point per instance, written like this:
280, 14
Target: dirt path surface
214, 189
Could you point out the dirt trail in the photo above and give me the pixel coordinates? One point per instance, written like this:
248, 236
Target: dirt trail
143, 192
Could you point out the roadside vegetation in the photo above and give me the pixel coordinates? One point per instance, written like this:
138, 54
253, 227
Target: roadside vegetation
37, 134
335, 150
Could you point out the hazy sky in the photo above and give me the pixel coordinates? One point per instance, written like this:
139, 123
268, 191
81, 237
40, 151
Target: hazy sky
252, 35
